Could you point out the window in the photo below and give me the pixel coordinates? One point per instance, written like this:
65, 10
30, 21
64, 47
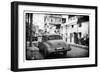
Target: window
72, 26
51, 20
80, 25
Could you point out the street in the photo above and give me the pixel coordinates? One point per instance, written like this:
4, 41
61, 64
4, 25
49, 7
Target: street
76, 52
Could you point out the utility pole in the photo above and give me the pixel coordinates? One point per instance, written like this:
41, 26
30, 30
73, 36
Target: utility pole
31, 20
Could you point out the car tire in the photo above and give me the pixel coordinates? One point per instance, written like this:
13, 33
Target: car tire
65, 53
45, 53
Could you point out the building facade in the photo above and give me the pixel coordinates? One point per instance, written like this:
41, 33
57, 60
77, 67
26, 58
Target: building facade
77, 30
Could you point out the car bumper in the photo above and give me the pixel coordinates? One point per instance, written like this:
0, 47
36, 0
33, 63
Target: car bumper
59, 50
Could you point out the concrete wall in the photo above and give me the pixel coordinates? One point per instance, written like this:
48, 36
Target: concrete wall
84, 30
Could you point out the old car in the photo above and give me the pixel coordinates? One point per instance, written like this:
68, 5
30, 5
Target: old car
53, 43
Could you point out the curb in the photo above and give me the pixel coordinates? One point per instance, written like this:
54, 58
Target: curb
80, 46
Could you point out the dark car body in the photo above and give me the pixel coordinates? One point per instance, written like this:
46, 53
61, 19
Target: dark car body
53, 43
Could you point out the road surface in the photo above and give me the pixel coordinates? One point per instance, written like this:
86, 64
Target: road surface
76, 52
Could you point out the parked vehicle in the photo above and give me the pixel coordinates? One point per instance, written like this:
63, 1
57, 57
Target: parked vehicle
53, 43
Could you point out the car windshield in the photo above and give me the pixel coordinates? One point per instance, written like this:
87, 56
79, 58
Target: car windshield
54, 37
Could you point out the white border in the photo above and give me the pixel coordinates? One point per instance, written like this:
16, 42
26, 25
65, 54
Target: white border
54, 62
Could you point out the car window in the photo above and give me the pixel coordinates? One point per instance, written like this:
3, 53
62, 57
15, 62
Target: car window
54, 37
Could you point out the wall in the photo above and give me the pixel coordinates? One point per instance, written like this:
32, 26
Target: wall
38, 19
5, 28
84, 29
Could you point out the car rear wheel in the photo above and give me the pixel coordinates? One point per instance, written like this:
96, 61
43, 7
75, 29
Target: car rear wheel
45, 53
65, 53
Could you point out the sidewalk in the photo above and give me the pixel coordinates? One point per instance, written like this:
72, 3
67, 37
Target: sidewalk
80, 46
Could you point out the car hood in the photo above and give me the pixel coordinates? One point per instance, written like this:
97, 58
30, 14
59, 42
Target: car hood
56, 43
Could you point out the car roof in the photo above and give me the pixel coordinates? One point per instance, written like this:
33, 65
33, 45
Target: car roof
50, 34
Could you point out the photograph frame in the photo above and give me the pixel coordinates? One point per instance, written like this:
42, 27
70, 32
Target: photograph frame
14, 35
